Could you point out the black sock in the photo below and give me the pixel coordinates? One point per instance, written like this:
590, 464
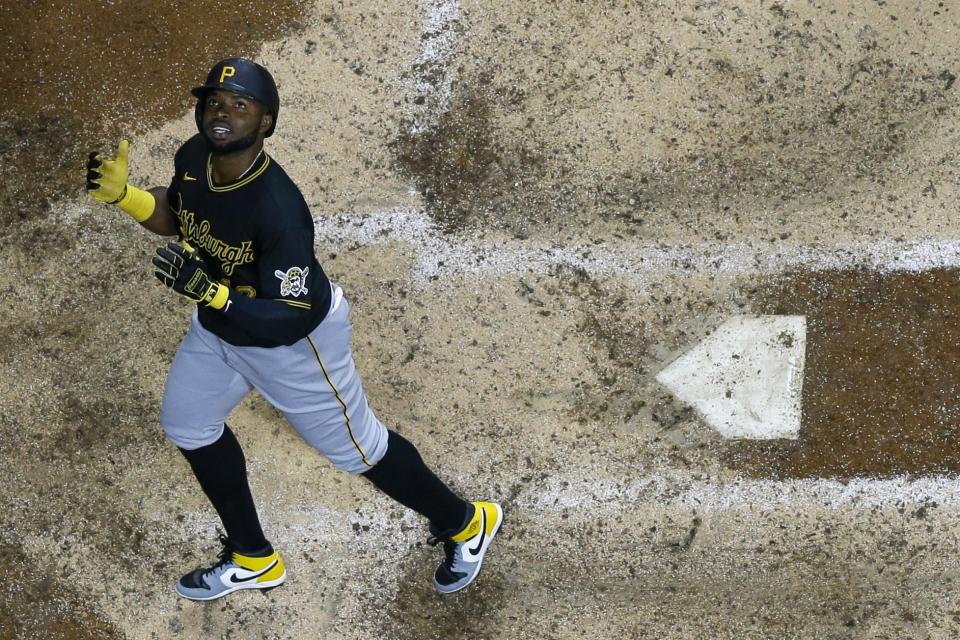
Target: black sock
403, 476
222, 472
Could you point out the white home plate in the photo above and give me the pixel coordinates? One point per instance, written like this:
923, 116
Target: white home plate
745, 379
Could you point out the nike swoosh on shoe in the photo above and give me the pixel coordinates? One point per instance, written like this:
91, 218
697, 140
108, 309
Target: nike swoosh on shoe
235, 580
483, 534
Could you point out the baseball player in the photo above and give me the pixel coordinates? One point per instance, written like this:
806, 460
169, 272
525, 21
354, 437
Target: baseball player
267, 318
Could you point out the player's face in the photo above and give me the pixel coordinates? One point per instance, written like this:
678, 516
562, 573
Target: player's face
233, 122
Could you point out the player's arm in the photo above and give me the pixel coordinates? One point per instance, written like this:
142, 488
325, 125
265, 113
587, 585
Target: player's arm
107, 182
271, 315
162, 221
180, 267
276, 320
283, 306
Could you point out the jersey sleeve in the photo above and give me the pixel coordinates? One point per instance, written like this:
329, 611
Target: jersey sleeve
284, 307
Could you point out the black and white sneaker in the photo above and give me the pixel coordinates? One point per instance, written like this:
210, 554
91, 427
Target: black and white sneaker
464, 551
234, 571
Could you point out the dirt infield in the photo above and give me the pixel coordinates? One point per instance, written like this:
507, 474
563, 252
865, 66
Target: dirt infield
533, 208
880, 400
75, 73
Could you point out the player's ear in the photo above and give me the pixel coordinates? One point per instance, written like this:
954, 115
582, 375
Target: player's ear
266, 121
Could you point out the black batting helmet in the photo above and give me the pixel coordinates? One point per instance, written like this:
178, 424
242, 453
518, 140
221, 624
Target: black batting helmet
243, 77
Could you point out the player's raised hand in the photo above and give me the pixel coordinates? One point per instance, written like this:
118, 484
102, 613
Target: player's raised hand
107, 179
107, 182
180, 267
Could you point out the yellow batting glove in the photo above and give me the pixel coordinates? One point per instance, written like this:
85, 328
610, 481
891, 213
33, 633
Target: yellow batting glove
107, 182
107, 179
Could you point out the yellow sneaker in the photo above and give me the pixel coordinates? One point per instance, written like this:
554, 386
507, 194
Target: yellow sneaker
234, 571
464, 550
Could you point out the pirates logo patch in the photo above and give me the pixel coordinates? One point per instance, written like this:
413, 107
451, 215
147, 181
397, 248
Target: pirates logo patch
293, 282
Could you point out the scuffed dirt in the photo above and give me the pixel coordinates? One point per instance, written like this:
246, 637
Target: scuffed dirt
687, 114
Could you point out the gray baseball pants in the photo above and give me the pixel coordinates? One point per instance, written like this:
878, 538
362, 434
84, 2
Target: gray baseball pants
313, 382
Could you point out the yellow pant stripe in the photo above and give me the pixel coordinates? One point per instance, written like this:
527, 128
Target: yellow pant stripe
336, 394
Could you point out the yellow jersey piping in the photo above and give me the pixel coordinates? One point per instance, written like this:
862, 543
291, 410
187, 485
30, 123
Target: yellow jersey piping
236, 185
295, 303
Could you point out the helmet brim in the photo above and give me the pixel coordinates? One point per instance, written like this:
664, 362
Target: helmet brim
202, 91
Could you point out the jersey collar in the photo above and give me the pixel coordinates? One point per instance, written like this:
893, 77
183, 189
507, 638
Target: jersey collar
252, 174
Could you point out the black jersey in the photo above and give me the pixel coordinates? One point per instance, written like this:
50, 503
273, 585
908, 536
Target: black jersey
256, 236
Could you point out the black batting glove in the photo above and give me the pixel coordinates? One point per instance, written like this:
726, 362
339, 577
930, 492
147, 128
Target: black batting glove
181, 268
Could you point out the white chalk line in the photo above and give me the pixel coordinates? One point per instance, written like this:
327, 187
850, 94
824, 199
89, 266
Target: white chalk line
598, 497
433, 75
440, 256
685, 493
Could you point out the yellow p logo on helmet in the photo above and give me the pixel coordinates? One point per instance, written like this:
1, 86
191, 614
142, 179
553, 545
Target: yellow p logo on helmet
227, 72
